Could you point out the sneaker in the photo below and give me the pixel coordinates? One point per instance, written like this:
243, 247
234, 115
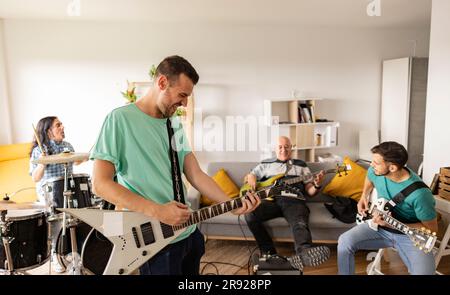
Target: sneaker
56, 267
313, 256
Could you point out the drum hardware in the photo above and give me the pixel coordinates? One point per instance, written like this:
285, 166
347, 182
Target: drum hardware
65, 158
75, 268
9, 265
68, 202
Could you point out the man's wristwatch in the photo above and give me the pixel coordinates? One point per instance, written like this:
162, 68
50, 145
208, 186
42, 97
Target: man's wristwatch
317, 186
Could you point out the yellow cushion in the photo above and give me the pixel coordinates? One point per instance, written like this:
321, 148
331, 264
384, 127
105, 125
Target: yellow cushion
14, 167
14, 151
350, 186
225, 183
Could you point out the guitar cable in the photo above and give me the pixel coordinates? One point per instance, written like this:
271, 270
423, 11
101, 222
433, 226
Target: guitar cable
249, 261
246, 265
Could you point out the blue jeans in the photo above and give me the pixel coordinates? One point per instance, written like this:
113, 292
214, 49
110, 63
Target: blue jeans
362, 237
180, 258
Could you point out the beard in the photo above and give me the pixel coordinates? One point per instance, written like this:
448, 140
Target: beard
377, 173
168, 111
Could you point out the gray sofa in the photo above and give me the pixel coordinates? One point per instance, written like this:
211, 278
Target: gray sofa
324, 228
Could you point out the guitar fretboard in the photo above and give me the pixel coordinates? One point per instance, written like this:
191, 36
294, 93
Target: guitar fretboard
394, 222
216, 210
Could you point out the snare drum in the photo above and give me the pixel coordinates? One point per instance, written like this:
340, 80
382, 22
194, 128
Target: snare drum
78, 184
26, 232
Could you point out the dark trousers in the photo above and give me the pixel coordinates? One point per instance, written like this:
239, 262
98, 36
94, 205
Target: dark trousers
296, 213
180, 258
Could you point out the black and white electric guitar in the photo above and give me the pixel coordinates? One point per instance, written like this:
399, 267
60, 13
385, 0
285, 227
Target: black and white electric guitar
121, 241
422, 238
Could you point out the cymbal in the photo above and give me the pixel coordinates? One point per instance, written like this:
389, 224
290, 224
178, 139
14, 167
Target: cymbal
62, 158
10, 205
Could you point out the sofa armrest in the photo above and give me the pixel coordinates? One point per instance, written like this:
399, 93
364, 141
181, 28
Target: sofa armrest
193, 197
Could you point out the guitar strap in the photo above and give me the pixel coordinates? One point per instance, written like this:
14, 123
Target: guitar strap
289, 166
401, 196
176, 174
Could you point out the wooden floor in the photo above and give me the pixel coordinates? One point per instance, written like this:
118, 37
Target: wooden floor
232, 257
227, 257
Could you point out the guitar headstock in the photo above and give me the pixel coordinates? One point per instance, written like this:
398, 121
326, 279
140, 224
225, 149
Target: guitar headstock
342, 169
422, 238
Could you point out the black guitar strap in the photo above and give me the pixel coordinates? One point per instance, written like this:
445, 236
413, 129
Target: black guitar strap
401, 196
176, 174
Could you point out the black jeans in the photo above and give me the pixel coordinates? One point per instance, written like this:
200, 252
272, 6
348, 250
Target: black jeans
180, 258
296, 213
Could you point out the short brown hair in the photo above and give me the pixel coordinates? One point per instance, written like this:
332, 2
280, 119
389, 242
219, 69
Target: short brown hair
393, 152
173, 66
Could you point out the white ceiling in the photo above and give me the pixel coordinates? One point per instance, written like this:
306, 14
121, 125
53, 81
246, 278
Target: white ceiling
352, 13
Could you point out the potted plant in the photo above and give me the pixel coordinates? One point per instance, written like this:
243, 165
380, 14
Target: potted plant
129, 94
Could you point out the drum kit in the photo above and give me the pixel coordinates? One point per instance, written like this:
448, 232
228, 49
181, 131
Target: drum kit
30, 233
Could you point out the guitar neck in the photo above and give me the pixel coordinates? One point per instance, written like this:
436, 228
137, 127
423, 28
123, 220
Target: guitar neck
216, 210
301, 178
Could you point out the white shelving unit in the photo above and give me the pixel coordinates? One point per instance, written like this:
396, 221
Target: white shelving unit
296, 118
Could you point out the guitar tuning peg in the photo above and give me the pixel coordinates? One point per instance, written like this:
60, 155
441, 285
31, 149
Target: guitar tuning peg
433, 233
421, 248
422, 228
428, 231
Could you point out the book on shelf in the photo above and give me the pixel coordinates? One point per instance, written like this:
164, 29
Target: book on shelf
301, 116
305, 112
313, 115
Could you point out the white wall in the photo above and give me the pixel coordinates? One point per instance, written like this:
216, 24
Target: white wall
5, 128
437, 139
76, 70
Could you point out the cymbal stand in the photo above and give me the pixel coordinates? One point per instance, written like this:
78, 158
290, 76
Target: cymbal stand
9, 264
76, 269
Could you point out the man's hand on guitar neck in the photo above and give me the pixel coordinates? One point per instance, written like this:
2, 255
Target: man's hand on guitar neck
249, 203
173, 213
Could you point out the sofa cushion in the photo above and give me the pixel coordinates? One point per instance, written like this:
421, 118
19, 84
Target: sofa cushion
14, 176
226, 185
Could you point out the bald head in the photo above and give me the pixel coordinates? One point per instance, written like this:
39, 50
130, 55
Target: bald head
284, 148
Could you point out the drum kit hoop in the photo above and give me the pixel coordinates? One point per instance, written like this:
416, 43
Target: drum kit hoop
7, 237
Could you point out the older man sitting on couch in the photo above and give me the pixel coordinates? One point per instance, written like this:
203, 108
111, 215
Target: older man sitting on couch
294, 210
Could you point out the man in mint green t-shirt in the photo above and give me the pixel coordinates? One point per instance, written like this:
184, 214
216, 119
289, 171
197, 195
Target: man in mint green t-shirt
133, 145
389, 176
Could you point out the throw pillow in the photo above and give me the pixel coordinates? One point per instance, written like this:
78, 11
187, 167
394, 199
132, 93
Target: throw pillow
351, 185
225, 183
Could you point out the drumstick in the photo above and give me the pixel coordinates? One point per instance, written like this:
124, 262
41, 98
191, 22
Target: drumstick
37, 139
